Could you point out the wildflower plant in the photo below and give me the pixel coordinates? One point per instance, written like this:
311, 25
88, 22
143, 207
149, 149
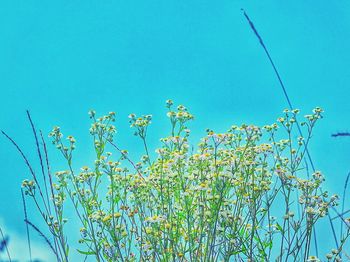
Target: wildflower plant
242, 195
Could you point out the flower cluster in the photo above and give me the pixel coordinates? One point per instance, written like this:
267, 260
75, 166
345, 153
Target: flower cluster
236, 195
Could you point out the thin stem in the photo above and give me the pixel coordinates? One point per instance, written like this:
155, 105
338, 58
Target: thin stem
27, 228
5, 241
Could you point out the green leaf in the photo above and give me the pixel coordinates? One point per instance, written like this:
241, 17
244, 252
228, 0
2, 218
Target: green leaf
279, 227
86, 252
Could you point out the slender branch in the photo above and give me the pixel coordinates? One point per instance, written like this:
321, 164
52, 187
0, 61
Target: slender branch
341, 134
40, 160
43, 236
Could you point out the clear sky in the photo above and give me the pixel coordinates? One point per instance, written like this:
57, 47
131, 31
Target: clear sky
60, 58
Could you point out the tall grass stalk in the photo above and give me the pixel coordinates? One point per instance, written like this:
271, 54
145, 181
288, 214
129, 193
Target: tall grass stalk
343, 220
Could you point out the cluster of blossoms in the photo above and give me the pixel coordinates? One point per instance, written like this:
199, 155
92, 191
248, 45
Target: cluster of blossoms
29, 187
140, 123
209, 202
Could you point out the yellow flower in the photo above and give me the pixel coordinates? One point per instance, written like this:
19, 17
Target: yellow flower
148, 230
106, 218
117, 215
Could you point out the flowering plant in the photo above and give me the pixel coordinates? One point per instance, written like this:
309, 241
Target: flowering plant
239, 195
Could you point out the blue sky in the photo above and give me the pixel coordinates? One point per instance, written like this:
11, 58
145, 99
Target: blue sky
60, 58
